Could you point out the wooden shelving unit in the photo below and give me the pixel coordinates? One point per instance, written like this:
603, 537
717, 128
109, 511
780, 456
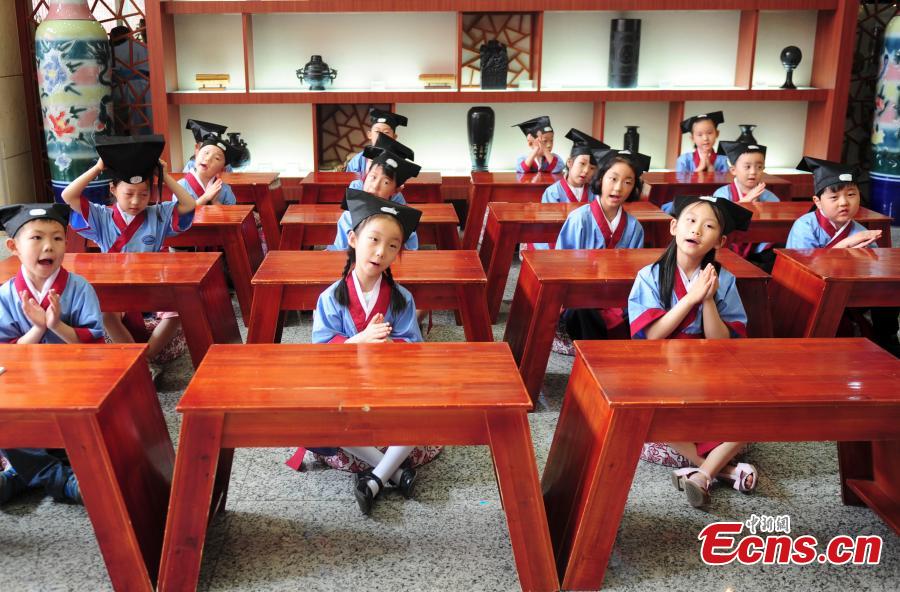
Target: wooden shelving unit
827, 99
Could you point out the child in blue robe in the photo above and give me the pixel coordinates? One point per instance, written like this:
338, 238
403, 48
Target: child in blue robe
201, 131
367, 306
132, 224
43, 303
539, 137
383, 122
704, 131
685, 294
203, 182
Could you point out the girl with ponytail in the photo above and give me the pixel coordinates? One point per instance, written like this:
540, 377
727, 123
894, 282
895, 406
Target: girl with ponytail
686, 294
366, 305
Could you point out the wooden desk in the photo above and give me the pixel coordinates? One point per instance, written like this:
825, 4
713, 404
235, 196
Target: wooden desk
726, 389
512, 223
507, 187
264, 191
811, 288
98, 402
772, 222
353, 395
309, 225
230, 228
438, 280
329, 187
598, 278
191, 284
662, 187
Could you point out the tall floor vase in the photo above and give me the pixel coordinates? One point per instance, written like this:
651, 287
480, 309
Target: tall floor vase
75, 84
886, 133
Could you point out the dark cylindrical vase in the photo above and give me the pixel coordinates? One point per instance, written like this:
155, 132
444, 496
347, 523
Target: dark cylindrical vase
747, 133
480, 121
624, 50
632, 140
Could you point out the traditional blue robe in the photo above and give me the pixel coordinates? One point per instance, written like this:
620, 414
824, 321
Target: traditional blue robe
685, 163
145, 234
357, 164
554, 166
815, 231
581, 230
345, 225
80, 309
730, 191
226, 196
645, 305
335, 323
559, 193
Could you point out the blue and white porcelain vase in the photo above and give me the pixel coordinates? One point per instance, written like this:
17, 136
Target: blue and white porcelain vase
886, 131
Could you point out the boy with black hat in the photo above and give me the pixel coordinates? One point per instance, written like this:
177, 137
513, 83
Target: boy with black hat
132, 224
213, 156
43, 303
202, 130
382, 122
539, 137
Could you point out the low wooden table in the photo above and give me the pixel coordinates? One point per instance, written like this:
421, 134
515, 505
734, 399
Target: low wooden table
230, 228
663, 187
309, 225
772, 222
726, 389
811, 288
438, 280
264, 191
599, 278
506, 187
191, 284
353, 395
98, 402
329, 187
512, 223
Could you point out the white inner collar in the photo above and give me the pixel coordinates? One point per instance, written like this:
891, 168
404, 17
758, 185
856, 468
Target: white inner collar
688, 281
39, 295
366, 299
127, 217
577, 191
614, 223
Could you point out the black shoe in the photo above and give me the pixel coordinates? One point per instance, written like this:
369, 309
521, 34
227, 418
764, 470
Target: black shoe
364, 496
407, 482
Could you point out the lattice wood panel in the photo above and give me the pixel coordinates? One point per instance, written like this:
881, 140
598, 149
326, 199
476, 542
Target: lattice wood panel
514, 30
342, 132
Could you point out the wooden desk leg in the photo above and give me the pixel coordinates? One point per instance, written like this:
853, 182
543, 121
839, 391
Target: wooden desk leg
447, 237
804, 305
475, 218
264, 313
473, 309
195, 473
252, 243
854, 462
754, 295
240, 268
291, 237
497, 252
513, 454
264, 205
217, 306
586, 481
879, 489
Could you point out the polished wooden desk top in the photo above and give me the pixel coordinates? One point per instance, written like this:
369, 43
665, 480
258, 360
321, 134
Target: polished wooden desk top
684, 373
853, 265
213, 215
593, 265
240, 178
557, 212
131, 269
365, 377
342, 178
485, 178
421, 267
674, 178
63, 377
432, 213
788, 211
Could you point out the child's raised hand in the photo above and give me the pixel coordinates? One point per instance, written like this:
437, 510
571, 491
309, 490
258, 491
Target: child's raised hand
33, 310
165, 166
100, 166
377, 330
712, 283
536, 148
753, 195
53, 315
860, 239
212, 191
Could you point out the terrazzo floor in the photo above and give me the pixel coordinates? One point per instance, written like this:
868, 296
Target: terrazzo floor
285, 530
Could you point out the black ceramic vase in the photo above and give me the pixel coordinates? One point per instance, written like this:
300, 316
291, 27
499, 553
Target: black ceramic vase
480, 122
624, 50
632, 140
494, 65
747, 133
241, 151
790, 59
316, 73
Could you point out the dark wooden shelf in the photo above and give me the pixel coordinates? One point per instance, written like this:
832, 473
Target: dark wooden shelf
478, 96
269, 6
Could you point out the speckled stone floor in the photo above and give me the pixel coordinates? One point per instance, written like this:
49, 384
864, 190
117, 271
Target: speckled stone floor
302, 531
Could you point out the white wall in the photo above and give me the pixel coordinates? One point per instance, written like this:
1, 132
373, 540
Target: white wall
209, 44
777, 30
393, 48
652, 119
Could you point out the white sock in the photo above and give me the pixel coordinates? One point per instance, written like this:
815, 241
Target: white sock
389, 467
